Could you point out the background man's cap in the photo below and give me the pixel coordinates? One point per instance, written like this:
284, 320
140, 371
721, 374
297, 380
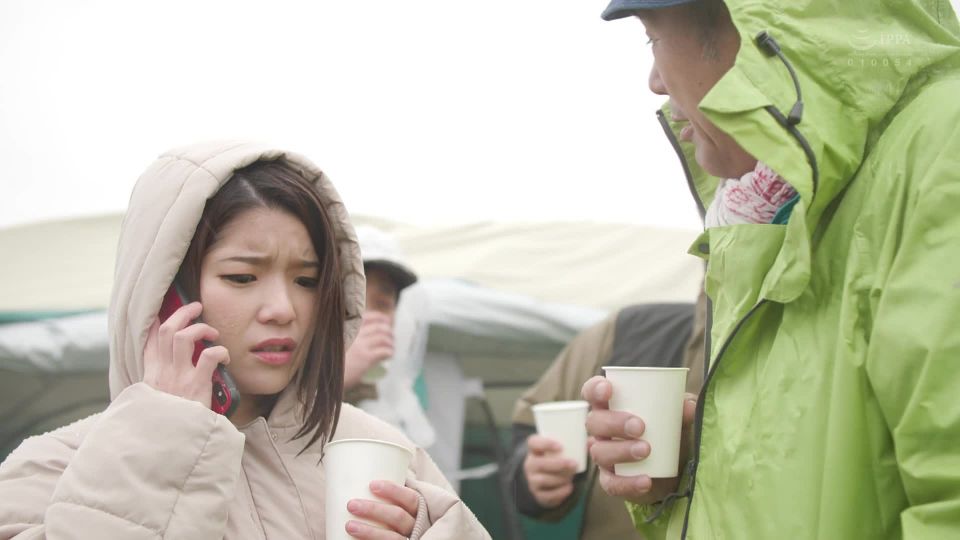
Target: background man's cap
619, 9
380, 249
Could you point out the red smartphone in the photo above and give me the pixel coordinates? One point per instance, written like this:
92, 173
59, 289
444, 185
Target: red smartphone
225, 397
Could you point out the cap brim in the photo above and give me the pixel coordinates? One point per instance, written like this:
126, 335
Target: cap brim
618, 9
402, 277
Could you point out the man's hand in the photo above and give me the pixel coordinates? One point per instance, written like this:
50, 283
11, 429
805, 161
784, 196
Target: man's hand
549, 474
373, 345
615, 438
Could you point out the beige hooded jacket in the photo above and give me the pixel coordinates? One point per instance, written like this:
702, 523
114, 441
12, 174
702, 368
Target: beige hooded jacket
153, 465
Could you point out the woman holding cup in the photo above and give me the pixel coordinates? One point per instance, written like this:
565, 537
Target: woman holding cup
258, 238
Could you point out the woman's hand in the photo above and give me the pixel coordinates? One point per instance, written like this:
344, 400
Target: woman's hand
168, 356
615, 438
398, 514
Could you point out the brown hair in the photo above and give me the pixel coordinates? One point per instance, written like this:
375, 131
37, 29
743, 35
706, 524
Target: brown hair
278, 185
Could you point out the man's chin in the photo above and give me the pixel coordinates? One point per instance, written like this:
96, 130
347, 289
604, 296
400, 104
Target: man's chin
716, 165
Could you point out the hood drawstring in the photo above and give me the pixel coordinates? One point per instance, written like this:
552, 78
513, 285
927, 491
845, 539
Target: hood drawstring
770, 46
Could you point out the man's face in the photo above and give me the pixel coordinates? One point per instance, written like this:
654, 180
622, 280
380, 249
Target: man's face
381, 291
685, 68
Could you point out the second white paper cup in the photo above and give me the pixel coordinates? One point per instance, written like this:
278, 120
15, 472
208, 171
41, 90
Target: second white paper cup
656, 396
349, 466
565, 422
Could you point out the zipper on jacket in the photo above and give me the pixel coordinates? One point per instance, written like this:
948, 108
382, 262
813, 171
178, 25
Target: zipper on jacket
767, 44
683, 161
701, 401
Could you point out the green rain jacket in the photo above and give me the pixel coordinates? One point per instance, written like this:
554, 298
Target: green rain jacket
831, 407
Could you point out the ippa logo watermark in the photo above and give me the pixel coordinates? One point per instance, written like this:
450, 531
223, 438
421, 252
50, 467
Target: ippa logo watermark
865, 40
873, 49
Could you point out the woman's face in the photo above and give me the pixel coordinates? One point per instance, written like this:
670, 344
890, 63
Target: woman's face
258, 286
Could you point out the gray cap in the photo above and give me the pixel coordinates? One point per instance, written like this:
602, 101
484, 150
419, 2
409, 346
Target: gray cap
619, 9
379, 249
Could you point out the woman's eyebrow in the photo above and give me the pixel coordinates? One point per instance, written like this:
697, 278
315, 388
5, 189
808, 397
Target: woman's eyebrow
254, 260
259, 260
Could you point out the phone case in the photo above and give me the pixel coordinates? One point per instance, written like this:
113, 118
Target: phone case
225, 397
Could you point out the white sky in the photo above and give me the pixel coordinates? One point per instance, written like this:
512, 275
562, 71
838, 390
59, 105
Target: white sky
426, 112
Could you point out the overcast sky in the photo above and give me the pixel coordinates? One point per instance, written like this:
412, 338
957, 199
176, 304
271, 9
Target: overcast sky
426, 112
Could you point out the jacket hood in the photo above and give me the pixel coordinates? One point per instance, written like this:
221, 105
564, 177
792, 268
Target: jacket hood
857, 64
164, 210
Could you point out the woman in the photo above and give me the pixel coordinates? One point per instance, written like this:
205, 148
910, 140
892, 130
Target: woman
262, 239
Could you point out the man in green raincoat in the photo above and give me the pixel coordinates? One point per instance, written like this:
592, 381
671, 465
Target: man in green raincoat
822, 142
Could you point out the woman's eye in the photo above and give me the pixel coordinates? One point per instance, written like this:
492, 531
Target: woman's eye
240, 279
308, 282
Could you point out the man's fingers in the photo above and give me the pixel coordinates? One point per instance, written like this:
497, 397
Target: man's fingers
597, 390
381, 353
554, 464
609, 424
543, 481
553, 497
539, 445
689, 408
627, 487
608, 453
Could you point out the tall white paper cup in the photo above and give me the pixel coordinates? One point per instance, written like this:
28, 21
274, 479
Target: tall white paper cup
349, 466
565, 422
656, 396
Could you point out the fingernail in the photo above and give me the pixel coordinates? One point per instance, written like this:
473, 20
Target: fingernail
644, 483
376, 485
353, 527
633, 427
640, 450
355, 506
599, 392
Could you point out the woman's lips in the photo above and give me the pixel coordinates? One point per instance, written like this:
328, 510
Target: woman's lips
275, 358
275, 351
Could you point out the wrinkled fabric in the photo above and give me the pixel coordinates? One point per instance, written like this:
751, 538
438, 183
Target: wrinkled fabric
830, 410
153, 465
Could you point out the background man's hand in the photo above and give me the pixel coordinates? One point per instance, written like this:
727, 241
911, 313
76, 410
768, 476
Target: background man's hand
549, 474
614, 437
373, 345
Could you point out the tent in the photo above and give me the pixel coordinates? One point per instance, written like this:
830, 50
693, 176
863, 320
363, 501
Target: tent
504, 298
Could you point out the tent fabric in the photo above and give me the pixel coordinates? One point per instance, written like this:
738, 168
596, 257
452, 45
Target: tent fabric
67, 266
470, 321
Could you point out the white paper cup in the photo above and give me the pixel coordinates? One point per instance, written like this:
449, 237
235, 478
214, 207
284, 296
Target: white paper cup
565, 422
656, 396
349, 466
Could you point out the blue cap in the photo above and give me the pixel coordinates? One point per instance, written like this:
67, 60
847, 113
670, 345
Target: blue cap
619, 9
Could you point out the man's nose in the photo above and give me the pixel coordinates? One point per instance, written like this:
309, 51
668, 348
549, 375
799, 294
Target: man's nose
656, 83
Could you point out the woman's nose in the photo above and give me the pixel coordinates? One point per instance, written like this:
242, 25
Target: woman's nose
277, 307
